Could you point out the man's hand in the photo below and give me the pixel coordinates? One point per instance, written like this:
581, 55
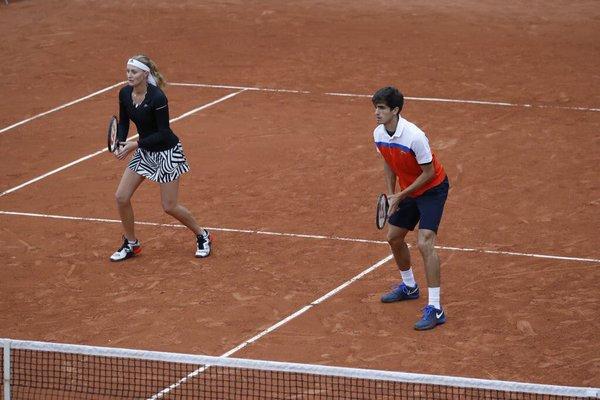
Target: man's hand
394, 200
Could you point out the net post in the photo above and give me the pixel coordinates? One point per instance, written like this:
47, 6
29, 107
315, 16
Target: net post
6, 368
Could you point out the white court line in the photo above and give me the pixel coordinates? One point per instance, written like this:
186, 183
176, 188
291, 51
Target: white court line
306, 236
105, 149
482, 102
275, 326
432, 99
61, 107
256, 89
307, 307
294, 315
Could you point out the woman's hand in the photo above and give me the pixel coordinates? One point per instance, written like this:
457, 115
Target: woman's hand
127, 148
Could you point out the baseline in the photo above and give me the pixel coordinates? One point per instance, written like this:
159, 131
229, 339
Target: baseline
430, 99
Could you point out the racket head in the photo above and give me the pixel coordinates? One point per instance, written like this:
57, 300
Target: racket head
382, 211
113, 142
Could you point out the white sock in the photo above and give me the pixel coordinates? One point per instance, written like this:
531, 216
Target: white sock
131, 242
434, 297
408, 278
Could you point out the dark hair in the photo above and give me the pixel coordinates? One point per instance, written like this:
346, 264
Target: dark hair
390, 96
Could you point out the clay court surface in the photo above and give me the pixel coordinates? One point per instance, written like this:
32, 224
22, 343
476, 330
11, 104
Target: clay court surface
519, 241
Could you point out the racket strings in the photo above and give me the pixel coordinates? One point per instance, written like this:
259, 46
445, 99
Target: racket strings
113, 141
382, 210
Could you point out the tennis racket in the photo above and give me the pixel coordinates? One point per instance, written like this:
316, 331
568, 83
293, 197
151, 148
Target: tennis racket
113, 141
382, 211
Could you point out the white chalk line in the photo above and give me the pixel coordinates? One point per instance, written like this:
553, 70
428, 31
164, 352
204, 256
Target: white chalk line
334, 291
61, 107
275, 326
255, 89
79, 160
307, 236
430, 99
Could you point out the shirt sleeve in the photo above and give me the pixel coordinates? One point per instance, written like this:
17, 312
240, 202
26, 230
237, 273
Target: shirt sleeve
422, 151
161, 115
123, 126
375, 140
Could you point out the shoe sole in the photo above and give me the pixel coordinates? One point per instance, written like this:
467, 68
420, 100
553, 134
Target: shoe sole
394, 301
123, 259
136, 251
430, 327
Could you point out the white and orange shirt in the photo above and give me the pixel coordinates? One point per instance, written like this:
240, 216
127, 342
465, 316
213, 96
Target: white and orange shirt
404, 151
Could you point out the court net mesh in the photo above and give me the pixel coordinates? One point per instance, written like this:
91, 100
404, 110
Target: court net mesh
38, 370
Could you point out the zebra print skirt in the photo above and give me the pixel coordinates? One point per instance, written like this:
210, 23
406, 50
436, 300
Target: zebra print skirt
160, 166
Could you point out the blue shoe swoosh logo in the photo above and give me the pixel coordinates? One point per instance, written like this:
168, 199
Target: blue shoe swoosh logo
440, 315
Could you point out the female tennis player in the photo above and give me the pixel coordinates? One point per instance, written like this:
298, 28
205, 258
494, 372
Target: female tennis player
157, 155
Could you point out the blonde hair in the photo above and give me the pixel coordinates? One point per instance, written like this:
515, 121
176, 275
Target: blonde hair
160, 80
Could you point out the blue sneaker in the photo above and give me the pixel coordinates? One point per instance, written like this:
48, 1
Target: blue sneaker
431, 318
401, 292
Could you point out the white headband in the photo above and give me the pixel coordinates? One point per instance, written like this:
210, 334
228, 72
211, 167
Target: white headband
143, 67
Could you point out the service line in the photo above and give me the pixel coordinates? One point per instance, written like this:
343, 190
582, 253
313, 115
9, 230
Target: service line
309, 236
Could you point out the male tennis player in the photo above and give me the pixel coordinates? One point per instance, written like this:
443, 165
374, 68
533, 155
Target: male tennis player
423, 188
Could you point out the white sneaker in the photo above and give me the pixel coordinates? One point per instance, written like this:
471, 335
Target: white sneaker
127, 250
203, 248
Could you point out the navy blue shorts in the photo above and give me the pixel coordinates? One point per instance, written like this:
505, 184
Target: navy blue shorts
427, 208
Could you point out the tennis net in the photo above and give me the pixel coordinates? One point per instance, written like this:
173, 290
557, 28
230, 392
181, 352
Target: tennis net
39, 370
